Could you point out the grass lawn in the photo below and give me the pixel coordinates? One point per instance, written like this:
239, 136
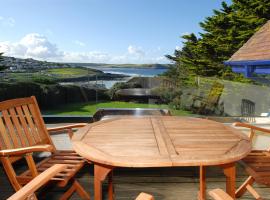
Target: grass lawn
71, 71
91, 107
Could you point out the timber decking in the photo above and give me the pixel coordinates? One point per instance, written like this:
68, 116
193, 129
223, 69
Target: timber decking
163, 183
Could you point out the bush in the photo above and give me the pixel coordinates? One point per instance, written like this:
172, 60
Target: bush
170, 96
44, 80
122, 85
50, 96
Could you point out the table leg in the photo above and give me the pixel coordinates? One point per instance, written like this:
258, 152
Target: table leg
202, 192
230, 173
110, 186
100, 174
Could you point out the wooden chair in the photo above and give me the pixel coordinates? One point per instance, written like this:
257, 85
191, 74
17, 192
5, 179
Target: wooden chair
27, 192
145, 196
23, 132
219, 194
256, 164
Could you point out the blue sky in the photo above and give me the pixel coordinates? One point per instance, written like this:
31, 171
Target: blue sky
108, 31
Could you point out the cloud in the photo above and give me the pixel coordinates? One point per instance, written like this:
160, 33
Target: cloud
38, 46
92, 56
7, 21
137, 51
79, 43
33, 45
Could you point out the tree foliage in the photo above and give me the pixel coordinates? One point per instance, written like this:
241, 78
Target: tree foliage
2, 67
222, 34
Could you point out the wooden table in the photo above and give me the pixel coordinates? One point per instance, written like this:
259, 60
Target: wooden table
160, 142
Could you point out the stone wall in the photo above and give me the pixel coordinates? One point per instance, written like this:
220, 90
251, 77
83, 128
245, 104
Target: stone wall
233, 94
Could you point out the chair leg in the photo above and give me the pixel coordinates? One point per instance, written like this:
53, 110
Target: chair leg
68, 193
253, 192
247, 186
75, 187
81, 191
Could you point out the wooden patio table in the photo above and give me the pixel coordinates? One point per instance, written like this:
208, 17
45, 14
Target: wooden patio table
160, 141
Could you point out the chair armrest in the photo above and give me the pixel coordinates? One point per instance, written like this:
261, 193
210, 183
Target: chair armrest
67, 127
144, 196
219, 194
25, 150
37, 182
239, 124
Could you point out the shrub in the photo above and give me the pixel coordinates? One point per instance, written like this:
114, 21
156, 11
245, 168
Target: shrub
122, 85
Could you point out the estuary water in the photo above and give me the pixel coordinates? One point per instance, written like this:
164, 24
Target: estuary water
129, 71
145, 72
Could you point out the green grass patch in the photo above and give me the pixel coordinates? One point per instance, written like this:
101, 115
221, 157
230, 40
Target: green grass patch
70, 71
91, 108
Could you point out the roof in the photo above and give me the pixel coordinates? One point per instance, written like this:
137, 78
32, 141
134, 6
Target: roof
256, 48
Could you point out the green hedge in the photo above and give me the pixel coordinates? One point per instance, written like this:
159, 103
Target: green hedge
50, 96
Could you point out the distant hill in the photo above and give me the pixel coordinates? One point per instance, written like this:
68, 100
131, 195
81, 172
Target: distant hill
102, 65
29, 63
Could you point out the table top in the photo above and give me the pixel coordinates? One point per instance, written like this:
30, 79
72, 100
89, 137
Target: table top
160, 141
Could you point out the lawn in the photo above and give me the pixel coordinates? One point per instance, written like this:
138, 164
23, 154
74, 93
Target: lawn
71, 71
90, 108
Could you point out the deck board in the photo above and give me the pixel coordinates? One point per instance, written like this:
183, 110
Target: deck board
163, 183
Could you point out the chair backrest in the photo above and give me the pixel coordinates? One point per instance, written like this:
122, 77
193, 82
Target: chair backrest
21, 124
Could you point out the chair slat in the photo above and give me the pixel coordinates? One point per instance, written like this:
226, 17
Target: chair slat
11, 130
4, 134
18, 127
24, 125
31, 124
41, 133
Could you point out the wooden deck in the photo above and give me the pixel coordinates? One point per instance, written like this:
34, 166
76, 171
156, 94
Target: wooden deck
163, 183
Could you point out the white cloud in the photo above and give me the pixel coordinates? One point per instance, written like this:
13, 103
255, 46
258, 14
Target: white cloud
92, 56
38, 46
33, 45
137, 51
79, 43
7, 21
